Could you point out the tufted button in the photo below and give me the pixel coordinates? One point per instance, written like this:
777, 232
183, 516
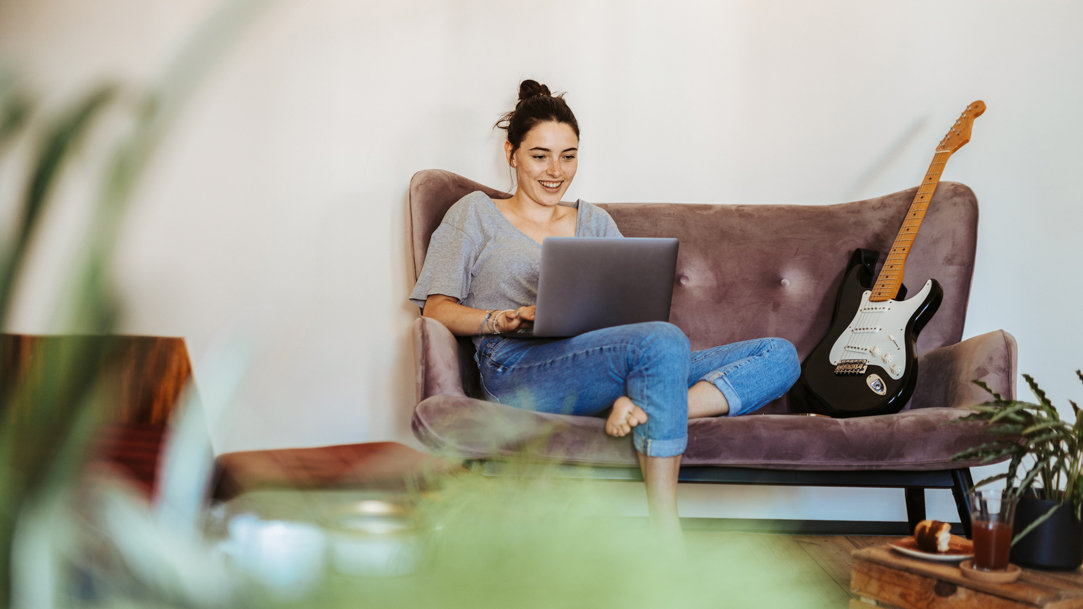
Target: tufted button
784, 282
683, 280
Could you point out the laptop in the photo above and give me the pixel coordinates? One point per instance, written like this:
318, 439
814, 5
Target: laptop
588, 283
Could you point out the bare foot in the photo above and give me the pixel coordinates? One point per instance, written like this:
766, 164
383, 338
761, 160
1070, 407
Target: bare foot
624, 417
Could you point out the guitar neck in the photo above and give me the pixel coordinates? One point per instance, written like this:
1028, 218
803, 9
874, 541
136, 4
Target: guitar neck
889, 281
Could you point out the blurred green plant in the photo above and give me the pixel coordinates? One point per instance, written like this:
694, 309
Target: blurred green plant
539, 541
48, 416
44, 430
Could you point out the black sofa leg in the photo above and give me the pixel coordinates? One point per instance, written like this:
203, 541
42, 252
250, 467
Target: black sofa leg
915, 506
963, 482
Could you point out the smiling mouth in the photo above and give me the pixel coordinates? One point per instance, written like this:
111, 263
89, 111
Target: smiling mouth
550, 185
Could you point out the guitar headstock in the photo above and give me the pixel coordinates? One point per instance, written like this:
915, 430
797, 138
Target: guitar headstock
959, 133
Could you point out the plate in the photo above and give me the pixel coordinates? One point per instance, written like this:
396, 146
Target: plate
959, 548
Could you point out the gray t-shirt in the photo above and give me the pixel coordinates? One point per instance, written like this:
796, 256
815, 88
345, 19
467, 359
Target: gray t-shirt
479, 258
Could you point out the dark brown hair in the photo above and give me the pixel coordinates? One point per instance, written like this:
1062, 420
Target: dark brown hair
536, 105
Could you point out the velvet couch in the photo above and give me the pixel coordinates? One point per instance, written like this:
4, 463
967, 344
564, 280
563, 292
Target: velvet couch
747, 271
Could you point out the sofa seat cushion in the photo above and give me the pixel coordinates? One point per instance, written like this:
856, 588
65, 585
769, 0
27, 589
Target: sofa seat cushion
917, 440
913, 440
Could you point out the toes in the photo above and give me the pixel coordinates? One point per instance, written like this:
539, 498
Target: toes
625, 416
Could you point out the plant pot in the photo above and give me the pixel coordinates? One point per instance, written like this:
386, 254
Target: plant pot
1055, 544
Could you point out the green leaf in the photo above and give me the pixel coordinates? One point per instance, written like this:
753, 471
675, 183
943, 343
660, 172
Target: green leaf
65, 136
991, 479
1044, 444
988, 389
14, 112
1037, 391
57, 146
1016, 411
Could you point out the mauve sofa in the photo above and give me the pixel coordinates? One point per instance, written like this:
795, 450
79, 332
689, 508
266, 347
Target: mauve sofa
746, 271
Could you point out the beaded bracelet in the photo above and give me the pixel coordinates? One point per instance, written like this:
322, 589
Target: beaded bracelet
493, 324
485, 328
489, 325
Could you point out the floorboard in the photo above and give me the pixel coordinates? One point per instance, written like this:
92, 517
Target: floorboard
832, 553
814, 567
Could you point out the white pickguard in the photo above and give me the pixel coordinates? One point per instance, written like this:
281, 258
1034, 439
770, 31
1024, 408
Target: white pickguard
877, 333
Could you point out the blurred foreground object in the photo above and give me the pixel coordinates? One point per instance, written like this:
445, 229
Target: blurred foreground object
139, 380
371, 465
64, 541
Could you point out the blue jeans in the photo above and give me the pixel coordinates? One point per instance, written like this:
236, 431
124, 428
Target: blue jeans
651, 363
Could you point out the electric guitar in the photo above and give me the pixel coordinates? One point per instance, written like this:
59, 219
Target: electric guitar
867, 365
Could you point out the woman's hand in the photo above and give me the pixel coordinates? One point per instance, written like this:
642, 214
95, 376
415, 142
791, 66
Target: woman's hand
511, 320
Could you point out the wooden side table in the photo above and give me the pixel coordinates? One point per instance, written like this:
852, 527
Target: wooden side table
883, 578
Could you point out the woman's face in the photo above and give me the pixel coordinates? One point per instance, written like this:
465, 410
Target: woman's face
545, 162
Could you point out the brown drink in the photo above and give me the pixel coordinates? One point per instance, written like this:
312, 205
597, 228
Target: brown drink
991, 514
992, 545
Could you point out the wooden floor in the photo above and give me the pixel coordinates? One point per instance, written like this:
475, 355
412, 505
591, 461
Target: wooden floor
832, 554
815, 569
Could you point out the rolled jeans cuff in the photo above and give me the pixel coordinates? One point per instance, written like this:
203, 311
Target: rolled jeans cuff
658, 448
733, 399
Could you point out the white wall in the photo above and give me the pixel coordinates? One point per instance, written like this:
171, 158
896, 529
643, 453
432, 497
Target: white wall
274, 218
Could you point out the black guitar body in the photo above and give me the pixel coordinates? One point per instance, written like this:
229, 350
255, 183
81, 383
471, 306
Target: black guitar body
866, 365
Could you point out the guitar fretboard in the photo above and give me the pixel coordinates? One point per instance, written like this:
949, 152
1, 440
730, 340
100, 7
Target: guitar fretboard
889, 281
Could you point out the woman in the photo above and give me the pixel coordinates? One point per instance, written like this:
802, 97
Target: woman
480, 279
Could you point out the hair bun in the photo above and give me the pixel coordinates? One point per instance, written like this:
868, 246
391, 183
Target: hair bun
532, 88
536, 105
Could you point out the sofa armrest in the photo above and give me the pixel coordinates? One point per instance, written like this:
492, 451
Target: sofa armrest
439, 368
945, 375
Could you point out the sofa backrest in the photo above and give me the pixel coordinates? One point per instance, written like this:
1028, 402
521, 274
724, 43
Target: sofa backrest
746, 271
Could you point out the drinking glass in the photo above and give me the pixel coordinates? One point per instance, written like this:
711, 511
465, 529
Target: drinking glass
991, 514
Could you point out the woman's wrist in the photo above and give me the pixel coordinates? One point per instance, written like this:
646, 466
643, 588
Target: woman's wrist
491, 323
486, 324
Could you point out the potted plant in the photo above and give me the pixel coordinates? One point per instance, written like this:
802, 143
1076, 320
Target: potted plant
1044, 474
